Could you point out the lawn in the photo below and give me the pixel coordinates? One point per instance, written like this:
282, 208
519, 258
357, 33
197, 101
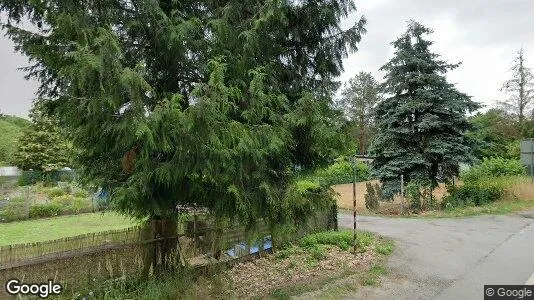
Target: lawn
53, 228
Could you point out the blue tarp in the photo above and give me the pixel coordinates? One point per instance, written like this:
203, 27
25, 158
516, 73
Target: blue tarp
242, 247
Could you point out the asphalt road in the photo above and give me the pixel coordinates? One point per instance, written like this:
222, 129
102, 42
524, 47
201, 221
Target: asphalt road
451, 258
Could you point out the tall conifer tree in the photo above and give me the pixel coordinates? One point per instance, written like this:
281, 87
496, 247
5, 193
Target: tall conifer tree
422, 124
175, 103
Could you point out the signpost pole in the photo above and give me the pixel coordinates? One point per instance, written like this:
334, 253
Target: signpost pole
402, 193
532, 161
355, 237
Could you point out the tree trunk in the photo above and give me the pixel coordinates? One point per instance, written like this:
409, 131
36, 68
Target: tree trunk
162, 252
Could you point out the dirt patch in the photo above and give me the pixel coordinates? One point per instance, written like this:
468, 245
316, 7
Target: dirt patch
260, 277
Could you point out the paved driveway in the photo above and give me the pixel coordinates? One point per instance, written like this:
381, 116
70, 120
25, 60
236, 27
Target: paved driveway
451, 258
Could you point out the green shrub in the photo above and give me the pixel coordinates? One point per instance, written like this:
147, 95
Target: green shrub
342, 172
385, 248
80, 205
493, 167
373, 196
342, 239
472, 195
15, 210
305, 185
419, 192
64, 200
317, 252
56, 192
29, 178
80, 193
73, 205
45, 210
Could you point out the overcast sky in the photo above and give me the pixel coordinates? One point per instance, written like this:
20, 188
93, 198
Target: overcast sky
483, 34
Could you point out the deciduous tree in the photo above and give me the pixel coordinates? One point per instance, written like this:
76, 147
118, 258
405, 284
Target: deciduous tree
358, 98
41, 146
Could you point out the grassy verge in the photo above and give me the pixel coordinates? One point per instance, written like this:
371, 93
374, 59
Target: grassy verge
58, 227
500, 207
495, 208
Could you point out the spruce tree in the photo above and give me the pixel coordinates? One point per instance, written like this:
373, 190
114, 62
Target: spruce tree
181, 103
422, 123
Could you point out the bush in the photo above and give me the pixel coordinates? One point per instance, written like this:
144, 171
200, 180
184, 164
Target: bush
15, 210
318, 252
29, 178
80, 193
72, 205
343, 172
472, 195
45, 210
493, 167
56, 192
64, 200
373, 196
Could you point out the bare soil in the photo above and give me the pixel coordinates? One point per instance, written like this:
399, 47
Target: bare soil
260, 277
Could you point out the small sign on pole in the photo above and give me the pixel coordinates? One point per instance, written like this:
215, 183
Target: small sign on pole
527, 156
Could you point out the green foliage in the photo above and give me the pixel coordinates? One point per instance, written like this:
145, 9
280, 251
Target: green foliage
493, 167
55, 192
12, 129
177, 285
496, 134
41, 147
16, 209
305, 186
45, 210
419, 194
373, 275
72, 205
472, 195
162, 116
317, 252
373, 196
342, 172
385, 248
29, 178
422, 126
81, 193
342, 239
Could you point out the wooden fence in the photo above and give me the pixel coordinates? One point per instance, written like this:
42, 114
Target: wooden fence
21, 252
80, 261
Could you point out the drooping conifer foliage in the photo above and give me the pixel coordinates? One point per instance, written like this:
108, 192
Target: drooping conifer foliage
191, 102
422, 123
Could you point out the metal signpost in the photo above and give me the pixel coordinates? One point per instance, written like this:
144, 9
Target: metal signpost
527, 156
355, 237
